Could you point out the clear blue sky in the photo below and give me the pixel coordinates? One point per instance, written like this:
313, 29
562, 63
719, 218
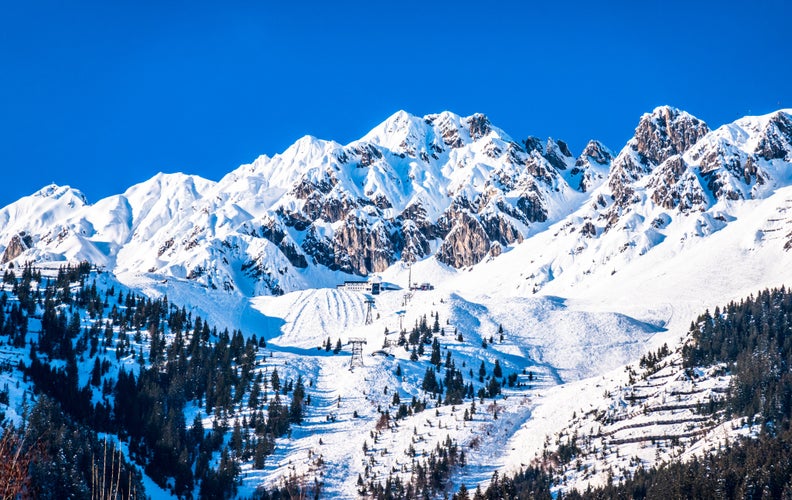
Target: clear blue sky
102, 95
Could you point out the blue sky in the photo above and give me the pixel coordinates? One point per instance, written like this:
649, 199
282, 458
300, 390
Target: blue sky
102, 95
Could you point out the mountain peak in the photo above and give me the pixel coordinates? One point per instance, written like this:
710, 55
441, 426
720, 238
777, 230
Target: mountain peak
57, 192
479, 125
597, 151
399, 133
666, 131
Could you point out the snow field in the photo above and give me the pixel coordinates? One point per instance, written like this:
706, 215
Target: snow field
532, 327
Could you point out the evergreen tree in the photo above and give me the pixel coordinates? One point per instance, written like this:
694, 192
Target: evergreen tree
429, 383
275, 380
435, 358
298, 397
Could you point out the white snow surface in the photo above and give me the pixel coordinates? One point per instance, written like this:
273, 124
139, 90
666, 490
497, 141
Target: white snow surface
575, 309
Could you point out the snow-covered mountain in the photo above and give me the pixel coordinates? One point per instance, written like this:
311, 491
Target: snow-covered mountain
584, 262
457, 189
446, 186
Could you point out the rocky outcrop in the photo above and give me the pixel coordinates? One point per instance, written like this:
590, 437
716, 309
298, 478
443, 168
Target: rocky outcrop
478, 126
594, 154
466, 244
319, 248
329, 208
665, 132
531, 205
449, 132
414, 241
775, 142
19, 243
673, 186
557, 153
720, 158
727, 172
588, 229
534, 144
499, 229
368, 154
360, 247
306, 187
259, 269
273, 231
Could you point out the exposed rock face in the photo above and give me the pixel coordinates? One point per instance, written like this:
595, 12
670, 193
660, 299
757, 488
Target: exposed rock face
533, 144
368, 154
360, 247
496, 249
319, 248
18, 244
273, 231
594, 151
595, 154
666, 132
557, 154
415, 244
479, 126
449, 132
466, 243
540, 169
531, 206
359, 233
676, 187
260, 270
588, 229
663, 133
774, 143
725, 169
499, 228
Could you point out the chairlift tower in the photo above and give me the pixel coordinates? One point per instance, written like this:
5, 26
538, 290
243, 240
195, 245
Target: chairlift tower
357, 351
401, 319
389, 343
370, 304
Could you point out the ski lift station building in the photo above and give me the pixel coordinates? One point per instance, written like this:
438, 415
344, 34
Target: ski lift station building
373, 285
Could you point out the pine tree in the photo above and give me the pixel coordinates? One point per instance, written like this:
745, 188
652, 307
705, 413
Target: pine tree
298, 397
275, 380
435, 358
96, 373
429, 383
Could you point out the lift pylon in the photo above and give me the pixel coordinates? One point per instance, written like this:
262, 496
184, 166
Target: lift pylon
370, 305
357, 351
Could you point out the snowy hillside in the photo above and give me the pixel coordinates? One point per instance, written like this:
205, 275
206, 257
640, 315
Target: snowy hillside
549, 276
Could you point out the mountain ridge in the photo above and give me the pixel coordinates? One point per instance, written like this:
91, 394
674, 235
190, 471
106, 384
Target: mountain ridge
454, 188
